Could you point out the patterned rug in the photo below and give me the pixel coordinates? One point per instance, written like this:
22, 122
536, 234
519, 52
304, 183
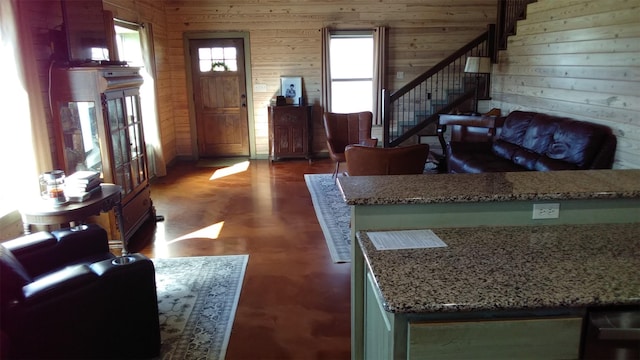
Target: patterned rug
197, 300
333, 215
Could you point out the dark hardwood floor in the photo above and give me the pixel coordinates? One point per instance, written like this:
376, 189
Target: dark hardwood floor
295, 301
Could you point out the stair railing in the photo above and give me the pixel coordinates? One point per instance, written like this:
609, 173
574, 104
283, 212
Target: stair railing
444, 87
509, 12
439, 90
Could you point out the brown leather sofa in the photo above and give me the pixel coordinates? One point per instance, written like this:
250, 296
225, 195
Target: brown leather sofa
529, 141
63, 295
403, 160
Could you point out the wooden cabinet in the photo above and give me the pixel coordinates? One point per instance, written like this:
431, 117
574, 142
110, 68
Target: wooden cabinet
97, 113
289, 132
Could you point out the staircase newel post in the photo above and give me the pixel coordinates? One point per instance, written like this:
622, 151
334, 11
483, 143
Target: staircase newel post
386, 117
492, 43
501, 20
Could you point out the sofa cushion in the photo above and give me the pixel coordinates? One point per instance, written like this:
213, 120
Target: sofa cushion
576, 142
539, 134
515, 125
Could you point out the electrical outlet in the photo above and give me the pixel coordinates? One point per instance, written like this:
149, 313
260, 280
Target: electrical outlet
546, 211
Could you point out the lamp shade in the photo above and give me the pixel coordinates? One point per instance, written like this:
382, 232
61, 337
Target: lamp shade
478, 65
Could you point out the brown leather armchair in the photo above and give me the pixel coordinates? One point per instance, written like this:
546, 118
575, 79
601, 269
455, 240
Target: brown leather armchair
362, 160
347, 129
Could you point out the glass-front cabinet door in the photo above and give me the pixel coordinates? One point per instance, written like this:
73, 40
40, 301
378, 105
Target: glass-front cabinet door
137, 149
125, 129
80, 136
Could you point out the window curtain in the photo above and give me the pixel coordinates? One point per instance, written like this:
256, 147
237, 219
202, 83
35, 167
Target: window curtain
326, 69
24, 140
157, 165
379, 72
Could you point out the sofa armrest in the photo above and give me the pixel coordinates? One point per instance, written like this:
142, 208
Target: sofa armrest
58, 283
604, 158
74, 277
121, 264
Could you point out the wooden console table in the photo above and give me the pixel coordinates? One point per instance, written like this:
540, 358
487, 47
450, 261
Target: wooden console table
468, 128
40, 212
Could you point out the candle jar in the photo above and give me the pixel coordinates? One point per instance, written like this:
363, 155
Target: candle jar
52, 187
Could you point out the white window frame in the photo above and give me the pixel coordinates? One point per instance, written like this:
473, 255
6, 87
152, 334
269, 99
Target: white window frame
352, 105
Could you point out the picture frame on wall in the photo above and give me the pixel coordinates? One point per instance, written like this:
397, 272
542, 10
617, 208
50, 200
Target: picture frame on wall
291, 89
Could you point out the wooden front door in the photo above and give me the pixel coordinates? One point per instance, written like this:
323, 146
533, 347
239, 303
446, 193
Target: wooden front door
218, 78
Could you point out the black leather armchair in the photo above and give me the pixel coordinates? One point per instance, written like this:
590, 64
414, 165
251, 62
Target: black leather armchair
64, 295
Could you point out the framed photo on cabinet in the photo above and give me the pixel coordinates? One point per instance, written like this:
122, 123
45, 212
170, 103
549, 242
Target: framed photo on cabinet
291, 89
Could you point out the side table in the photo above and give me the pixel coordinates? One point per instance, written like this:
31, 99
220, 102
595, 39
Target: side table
40, 212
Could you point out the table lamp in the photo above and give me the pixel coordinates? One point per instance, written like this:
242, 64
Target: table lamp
477, 65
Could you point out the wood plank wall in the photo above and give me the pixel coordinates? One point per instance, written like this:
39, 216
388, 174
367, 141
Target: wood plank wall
285, 40
580, 59
576, 58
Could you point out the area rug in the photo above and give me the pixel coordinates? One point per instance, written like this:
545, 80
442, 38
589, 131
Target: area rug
333, 215
197, 300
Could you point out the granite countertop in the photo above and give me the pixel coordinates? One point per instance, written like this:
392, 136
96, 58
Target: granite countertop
511, 268
509, 186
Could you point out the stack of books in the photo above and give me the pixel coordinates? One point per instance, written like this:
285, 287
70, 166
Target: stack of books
80, 185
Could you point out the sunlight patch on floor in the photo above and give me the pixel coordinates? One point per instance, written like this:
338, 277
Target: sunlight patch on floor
161, 244
210, 232
230, 170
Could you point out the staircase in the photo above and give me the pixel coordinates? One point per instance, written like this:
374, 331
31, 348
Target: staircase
445, 87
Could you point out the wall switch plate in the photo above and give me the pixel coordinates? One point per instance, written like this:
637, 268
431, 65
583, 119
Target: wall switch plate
260, 88
546, 211
400, 75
